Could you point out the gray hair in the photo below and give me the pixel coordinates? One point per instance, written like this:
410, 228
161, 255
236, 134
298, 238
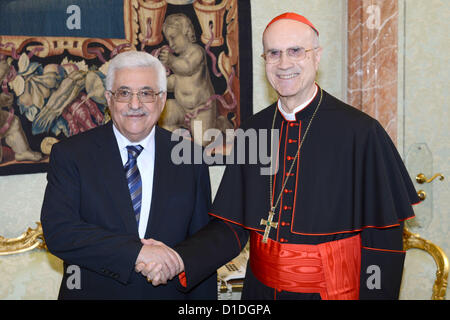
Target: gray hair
132, 59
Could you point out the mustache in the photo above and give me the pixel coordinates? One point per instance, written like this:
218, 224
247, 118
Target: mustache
137, 112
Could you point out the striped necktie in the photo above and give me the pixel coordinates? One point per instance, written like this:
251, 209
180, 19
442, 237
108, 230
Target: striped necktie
134, 179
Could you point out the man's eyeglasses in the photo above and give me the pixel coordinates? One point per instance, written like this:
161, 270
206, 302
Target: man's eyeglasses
294, 54
144, 95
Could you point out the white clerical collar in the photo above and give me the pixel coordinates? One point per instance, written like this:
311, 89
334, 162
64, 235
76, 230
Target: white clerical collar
148, 142
291, 116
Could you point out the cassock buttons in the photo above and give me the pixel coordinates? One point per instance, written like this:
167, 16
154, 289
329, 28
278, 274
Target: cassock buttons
290, 174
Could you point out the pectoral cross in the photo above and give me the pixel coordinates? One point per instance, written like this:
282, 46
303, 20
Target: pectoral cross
269, 224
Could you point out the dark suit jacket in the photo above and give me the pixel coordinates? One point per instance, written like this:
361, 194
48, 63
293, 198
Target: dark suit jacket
88, 220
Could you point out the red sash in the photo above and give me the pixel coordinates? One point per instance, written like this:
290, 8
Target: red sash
330, 269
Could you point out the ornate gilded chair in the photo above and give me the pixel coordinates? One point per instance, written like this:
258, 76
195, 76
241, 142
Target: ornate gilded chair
29, 240
413, 240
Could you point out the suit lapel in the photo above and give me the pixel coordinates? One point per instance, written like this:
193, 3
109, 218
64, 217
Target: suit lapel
112, 173
160, 191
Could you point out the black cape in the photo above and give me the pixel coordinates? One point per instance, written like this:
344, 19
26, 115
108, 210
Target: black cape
348, 179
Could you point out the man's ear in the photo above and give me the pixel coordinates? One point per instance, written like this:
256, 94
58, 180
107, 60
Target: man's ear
108, 96
163, 99
318, 55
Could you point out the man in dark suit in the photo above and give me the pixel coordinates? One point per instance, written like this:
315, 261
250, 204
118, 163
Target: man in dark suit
114, 186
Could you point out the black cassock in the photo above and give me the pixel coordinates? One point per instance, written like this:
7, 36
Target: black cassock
349, 179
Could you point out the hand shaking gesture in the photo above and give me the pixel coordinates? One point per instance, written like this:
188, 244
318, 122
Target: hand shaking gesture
158, 262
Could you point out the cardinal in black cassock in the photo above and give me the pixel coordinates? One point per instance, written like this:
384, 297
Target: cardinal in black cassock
337, 200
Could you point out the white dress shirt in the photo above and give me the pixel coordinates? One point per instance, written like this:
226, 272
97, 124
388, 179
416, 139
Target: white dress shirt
291, 116
146, 166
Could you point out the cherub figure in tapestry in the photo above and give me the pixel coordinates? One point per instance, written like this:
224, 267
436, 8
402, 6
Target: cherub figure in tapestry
10, 127
190, 82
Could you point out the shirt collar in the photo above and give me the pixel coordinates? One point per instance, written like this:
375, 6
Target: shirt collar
148, 142
291, 116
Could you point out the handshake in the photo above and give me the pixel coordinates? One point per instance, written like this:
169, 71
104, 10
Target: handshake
158, 262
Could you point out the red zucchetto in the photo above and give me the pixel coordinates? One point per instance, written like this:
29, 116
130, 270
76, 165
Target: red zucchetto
293, 16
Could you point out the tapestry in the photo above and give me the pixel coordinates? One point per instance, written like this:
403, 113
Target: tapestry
54, 56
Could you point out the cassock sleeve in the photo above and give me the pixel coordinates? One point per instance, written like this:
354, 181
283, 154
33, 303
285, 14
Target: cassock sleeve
219, 241
382, 261
387, 198
209, 249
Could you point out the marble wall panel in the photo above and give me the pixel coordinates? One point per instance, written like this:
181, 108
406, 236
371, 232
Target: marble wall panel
372, 60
